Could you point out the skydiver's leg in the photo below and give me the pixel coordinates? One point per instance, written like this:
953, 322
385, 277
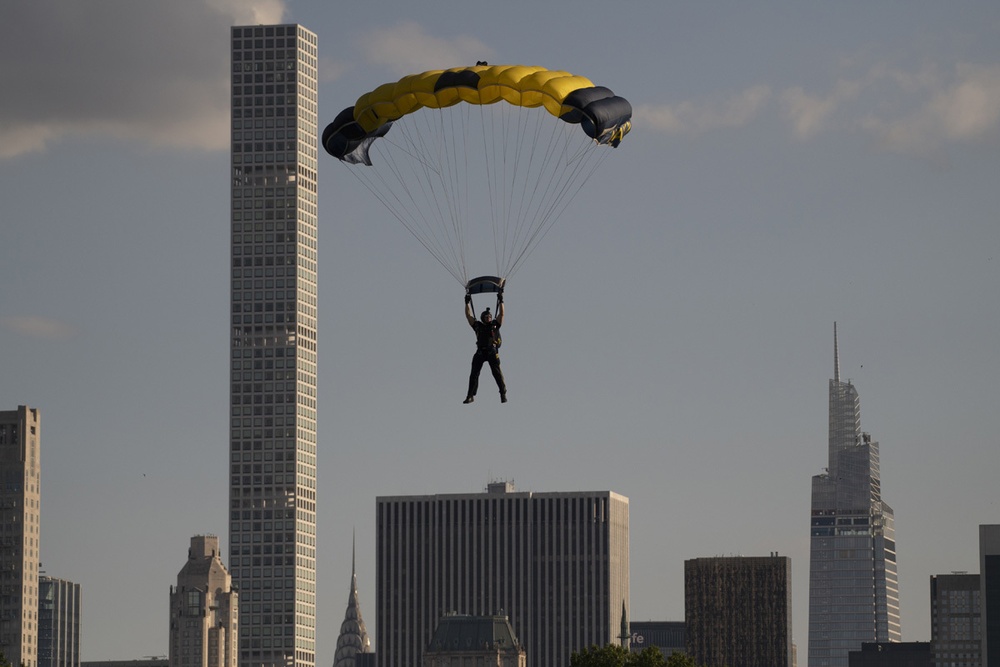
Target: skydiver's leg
477, 366
494, 361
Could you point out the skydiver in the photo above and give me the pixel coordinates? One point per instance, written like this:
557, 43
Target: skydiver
487, 345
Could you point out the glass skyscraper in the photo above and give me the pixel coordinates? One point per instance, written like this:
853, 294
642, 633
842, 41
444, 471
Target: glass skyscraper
853, 590
59, 604
272, 439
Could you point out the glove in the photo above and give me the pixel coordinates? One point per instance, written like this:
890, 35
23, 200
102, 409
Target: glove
468, 298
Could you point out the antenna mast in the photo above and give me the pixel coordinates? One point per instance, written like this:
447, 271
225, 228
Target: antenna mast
836, 356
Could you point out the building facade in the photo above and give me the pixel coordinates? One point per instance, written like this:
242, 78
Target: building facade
738, 611
556, 563
956, 628
853, 589
474, 641
668, 636
272, 440
989, 592
891, 654
20, 505
204, 609
59, 607
153, 661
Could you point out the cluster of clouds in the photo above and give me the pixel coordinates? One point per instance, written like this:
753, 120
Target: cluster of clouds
907, 112
142, 83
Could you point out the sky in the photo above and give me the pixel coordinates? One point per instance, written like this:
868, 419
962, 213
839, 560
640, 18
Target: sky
791, 165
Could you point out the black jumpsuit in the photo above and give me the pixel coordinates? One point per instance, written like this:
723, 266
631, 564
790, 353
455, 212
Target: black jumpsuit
487, 335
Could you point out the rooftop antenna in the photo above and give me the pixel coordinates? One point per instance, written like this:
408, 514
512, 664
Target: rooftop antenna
836, 356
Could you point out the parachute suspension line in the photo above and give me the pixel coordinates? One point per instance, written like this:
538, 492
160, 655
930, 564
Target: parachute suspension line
525, 209
462, 173
515, 210
573, 168
426, 176
494, 145
447, 228
452, 186
487, 119
531, 200
534, 194
400, 168
392, 202
511, 137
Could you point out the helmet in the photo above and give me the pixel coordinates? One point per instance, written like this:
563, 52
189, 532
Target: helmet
487, 315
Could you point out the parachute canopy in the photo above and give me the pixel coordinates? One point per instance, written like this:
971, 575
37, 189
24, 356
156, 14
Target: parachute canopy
456, 158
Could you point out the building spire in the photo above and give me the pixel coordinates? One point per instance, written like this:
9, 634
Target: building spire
624, 636
353, 637
836, 356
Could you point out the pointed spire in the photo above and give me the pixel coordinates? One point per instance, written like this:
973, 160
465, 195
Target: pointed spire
836, 355
353, 637
624, 636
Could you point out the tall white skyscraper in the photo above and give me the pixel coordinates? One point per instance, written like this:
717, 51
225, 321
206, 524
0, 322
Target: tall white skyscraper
853, 590
557, 564
272, 490
20, 508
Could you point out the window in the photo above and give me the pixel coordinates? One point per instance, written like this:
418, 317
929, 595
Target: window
194, 603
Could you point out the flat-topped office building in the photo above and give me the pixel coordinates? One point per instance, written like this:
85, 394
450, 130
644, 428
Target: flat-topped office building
557, 564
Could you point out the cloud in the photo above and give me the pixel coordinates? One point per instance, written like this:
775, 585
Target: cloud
695, 118
155, 72
964, 108
406, 48
811, 113
907, 111
37, 327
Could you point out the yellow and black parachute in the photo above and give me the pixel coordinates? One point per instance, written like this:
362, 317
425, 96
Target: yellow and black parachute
468, 144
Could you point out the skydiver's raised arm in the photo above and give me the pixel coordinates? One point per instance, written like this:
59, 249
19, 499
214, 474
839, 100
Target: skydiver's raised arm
500, 309
468, 311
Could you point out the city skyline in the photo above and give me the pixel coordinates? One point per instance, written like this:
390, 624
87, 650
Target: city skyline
789, 166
